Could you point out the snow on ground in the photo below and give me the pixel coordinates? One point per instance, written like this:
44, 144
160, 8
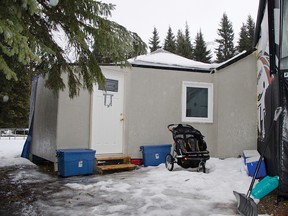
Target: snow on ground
144, 191
10, 151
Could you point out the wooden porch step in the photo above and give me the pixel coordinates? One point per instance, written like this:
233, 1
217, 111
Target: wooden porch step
113, 163
119, 157
117, 167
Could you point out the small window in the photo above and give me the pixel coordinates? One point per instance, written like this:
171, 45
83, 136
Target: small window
197, 102
111, 85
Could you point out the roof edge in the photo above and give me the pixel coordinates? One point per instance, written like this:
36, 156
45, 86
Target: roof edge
233, 60
261, 7
172, 68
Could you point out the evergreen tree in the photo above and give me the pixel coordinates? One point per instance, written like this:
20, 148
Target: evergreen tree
200, 52
250, 30
154, 41
226, 48
139, 48
246, 35
183, 44
15, 112
170, 42
28, 35
243, 41
180, 43
188, 51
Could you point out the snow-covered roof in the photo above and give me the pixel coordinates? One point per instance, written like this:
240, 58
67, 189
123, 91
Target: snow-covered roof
162, 58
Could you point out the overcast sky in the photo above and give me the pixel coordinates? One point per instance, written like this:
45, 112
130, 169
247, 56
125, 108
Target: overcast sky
141, 16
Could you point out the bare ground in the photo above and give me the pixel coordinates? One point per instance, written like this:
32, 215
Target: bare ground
272, 206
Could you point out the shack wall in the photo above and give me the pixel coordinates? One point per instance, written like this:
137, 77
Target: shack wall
153, 101
73, 120
45, 123
237, 107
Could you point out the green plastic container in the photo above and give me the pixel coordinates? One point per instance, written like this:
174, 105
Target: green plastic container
265, 186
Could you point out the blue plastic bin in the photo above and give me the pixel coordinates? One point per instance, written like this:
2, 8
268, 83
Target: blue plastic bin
73, 162
153, 155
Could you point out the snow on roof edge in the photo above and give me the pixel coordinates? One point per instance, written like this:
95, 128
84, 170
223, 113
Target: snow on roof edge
164, 58
234, 59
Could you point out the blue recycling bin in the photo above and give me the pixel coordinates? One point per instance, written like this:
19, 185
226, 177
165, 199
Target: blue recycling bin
73, 162
153, 155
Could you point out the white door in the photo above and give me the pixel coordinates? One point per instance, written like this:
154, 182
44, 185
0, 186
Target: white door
107, 115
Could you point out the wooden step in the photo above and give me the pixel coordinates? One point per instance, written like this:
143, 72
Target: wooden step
114, 168
117, 167
112, 159
113, 163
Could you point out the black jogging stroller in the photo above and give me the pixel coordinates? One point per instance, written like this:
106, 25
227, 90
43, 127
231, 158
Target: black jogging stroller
189, 149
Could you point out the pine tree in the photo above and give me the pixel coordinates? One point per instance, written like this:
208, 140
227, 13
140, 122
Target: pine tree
180, 43
27, 35
243, 39
138, 49
226, 48
183, 43
250, 30
200, 52
246, 35
154, 41
188, 51
170, 42
15, 112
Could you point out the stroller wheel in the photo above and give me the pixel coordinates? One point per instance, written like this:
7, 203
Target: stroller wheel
169, 162
202, 167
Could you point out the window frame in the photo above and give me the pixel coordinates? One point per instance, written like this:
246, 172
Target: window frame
209, 86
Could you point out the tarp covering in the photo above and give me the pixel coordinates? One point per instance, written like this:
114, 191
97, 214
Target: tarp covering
26, 147
283, 147
272, 87
283, 50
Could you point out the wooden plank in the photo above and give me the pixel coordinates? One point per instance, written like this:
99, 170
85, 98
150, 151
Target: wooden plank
116, 167
112, 157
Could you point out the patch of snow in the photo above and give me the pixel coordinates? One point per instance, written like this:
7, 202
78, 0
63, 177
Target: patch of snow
10, 151
146, 191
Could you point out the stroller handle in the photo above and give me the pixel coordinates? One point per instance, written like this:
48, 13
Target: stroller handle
172, 126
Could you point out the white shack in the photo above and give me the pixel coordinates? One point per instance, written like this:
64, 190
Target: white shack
158, 89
